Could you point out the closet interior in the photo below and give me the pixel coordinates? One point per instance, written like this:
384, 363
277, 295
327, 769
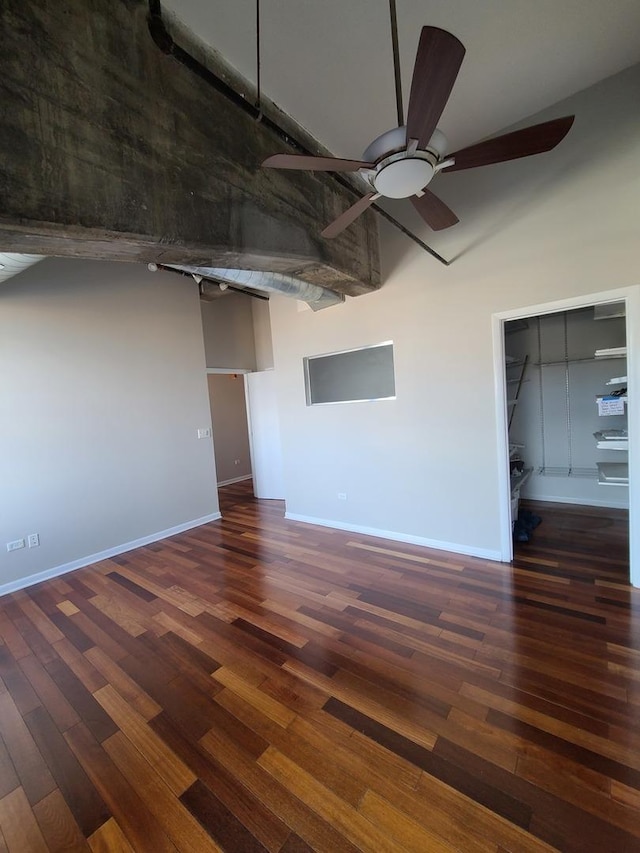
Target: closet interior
566, 380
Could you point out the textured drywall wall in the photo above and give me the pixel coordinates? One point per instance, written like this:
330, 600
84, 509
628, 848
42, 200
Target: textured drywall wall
102, 391
262, 334
426, 464
227, 325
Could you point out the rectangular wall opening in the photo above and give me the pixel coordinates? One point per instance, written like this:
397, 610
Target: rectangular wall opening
351, 376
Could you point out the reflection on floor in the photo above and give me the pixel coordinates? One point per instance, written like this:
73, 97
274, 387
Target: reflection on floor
256, 684
596, 536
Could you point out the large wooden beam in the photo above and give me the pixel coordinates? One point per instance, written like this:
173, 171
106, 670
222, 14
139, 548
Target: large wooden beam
111, 149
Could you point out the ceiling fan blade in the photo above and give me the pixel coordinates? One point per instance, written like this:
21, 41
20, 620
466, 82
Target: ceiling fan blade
350, 215
434, 211
510, 146
314, 164
438, 61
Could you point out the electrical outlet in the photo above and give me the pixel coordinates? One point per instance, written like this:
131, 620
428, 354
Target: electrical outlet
204, 433
236, 461
15, 545
34, 540
342, 496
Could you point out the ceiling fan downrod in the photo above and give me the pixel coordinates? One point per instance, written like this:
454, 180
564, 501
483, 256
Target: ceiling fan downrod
396, 61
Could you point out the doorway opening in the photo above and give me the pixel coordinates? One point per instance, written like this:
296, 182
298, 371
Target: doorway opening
229, 424
564, 380
246, 431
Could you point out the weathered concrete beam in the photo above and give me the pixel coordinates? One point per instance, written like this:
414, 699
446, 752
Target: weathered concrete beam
110, 149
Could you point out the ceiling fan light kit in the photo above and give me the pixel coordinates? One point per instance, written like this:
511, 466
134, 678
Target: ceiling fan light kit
399, 176
402, 161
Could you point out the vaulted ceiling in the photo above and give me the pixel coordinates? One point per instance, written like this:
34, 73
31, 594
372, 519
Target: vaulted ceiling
329, 64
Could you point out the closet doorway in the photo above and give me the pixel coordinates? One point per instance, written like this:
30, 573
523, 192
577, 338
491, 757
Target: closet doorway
566, 412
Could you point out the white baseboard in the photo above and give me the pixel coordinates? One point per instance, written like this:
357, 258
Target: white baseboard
30, 580
234, 480
437, 544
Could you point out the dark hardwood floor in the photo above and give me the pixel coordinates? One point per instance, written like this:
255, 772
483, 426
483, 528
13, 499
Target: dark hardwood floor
597, 538
258, 684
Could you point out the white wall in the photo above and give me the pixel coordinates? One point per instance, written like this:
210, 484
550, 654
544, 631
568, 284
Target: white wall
426, 465
102, 390
227, 325
262, 334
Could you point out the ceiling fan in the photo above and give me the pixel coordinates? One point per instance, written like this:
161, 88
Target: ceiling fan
401, 162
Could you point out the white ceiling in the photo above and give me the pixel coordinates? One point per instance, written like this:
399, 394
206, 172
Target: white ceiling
328, 63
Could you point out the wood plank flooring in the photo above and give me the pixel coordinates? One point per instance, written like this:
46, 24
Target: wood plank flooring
257, 684
594, 538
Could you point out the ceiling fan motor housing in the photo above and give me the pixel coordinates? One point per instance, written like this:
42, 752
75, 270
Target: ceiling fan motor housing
395, 140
